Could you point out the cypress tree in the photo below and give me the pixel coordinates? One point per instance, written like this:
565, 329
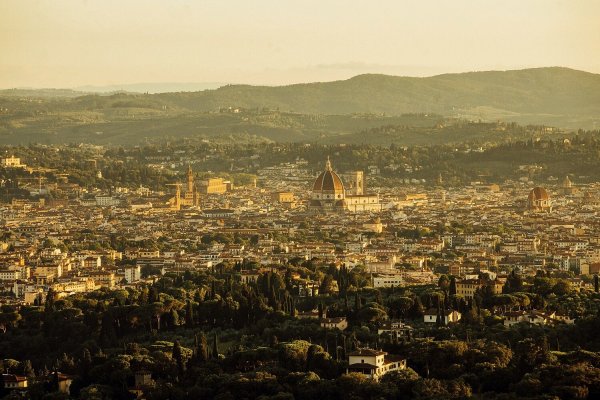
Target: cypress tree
452, 288
215, 347
202, 348
85, 364
293, 312
378, 298
178, 357
28, 369
153, 296
189, 314
356, 302
50, 297
108, 333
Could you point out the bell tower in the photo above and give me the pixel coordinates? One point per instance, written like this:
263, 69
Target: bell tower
190, 179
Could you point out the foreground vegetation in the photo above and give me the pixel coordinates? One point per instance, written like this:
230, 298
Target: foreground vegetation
204, 335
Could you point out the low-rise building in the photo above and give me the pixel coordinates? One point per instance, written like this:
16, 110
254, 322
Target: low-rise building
395, 329
448, 316
388, 281
14, 382
334, 323
373, 363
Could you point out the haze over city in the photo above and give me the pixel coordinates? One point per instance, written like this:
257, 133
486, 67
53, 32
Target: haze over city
68, 44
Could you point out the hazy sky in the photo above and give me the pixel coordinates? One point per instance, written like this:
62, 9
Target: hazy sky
67, 43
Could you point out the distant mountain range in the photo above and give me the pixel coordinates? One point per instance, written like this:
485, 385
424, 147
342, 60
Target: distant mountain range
554, 96
336, 111
149, 87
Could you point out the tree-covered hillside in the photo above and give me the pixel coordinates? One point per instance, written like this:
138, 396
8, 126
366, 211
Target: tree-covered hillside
543, 96
557, 96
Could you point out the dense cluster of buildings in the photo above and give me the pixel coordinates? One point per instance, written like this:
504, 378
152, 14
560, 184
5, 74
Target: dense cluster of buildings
405, 235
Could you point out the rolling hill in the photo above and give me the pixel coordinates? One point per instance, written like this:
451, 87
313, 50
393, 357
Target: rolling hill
325, 111
553, 96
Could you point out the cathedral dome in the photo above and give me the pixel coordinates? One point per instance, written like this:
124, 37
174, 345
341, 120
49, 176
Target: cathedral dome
328, 185
538, 193
538, 199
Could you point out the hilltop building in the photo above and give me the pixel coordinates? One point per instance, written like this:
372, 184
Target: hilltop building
330, 195
12, 162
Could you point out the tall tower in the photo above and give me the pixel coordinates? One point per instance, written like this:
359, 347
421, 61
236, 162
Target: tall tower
177, 205
175, 202
359, 183
190, 179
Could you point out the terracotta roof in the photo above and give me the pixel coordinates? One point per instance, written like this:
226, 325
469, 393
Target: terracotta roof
13, 378
538, 193
328, 181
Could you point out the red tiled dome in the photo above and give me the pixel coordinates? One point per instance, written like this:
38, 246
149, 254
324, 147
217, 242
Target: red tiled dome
328, 182
537, 194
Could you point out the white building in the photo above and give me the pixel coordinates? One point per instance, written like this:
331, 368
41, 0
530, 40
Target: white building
133, 273
107, 201
373, 363
9, 275
395, 329
334, 323
12, 162
387, 281
449, 316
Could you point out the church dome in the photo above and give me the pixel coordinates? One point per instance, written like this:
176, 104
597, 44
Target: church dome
538, 199
328, 181
328, 185
538, 193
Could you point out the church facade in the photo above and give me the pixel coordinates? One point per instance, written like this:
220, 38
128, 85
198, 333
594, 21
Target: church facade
190, 196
